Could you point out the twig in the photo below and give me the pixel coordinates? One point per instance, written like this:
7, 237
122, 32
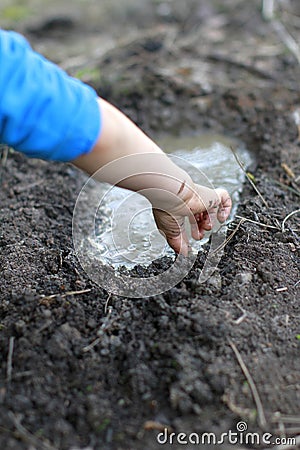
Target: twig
257, 223
277, 417
245, 219
89, 347
282, 289
268, 9
288, 217
240, 319
107, 303
66, 294
260, 411
228, 238
288, 170
154, 425
245, 172
9, 359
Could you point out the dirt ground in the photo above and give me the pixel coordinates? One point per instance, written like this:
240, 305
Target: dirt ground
167, 360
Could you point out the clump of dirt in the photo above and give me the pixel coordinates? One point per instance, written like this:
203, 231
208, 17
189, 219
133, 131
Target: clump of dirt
79, 369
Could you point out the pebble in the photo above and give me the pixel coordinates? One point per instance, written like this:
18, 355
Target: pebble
20, 326
244, 277
47, 313
215, 281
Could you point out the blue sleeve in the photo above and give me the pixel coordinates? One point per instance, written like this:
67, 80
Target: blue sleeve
44, 113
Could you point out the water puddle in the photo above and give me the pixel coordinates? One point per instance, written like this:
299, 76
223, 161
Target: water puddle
125, 231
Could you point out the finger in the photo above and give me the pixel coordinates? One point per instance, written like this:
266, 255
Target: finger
206, 223
225, 205
200, 223
194, 223
179, 244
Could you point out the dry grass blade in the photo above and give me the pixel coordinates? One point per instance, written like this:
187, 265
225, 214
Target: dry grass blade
154, 425
66, 294
229, 237
242, 220
285, 419
107, 303
93, 344
248, 178
268, 9
288, 170
9, 359
264, 225
260, 410
288, 217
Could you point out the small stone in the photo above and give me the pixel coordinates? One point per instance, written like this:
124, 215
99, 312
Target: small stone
91, 323
215, 281
244, 277
104, 351
69, 332
47, 313
20, 326
163, 320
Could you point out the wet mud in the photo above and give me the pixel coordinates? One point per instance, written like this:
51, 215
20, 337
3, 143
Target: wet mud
82, 369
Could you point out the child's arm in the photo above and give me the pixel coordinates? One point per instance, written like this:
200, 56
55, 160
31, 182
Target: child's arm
142, 166
46, 114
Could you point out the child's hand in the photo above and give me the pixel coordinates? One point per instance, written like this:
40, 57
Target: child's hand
203, 206
133, 161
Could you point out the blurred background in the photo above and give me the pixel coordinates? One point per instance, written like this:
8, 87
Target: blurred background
77, 34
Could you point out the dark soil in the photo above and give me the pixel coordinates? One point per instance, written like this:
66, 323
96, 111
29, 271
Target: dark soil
165, 359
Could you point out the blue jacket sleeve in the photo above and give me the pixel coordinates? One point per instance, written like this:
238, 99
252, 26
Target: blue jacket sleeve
44, 113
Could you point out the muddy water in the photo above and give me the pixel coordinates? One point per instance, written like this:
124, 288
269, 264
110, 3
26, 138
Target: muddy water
125, 232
